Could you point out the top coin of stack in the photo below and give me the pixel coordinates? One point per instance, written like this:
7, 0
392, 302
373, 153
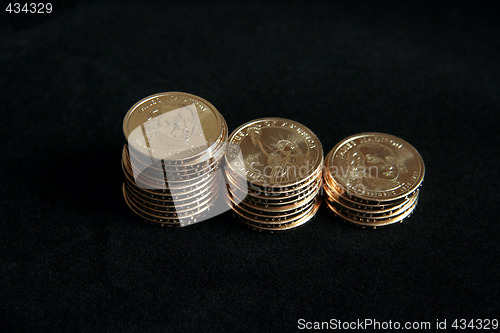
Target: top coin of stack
273, 173
373, 179
175, 144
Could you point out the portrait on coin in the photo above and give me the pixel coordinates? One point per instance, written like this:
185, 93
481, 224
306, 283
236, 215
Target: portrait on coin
375, 167
171, 134
173, 127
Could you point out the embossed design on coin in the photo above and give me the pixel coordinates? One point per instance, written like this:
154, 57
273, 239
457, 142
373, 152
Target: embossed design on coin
172, 126
177, 125
171, 161
373, 179
283, 155
273, 171
274, 151
375, 166
173, 132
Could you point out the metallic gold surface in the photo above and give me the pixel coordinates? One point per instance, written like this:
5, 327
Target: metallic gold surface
296, 223
178, 172
157, 186
276, 192
373, 217
174, 201
273, 173
274, 151
271, 200
366, 210
364, 205
375, 166
274, 219
385, 222
272, 189
173, 211
373, 179
167, 219
172, 159
182, 126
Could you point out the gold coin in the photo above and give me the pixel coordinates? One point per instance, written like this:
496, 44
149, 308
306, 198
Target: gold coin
272, 219
158, 187
164, 200
161, 171
273, 151
216, 151
275, 209
173, 126
176, 196
176, 210
284, 207
175, 145
298, 222
264, 211
270, 192
165, 218
364, 209
271, 200
161, 177
380, 223
272, 189
279, 222
374, 167
162, 222
363, 205
372, 216
174, 205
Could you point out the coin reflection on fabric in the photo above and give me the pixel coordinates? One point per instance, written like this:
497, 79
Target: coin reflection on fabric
373, 179
273, 174
172, 159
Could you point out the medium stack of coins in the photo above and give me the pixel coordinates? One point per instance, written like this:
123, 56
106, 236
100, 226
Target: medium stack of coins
373, 179
273, 174
176, 142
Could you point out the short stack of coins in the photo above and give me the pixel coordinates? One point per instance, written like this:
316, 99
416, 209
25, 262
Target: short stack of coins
171, 162
273, 174
373, 179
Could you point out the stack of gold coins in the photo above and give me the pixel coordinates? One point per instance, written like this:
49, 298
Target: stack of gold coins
273, 174
373, 179
171, 162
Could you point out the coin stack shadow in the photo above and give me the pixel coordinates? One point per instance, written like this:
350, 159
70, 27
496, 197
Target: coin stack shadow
177, 191
271, 204
373, 179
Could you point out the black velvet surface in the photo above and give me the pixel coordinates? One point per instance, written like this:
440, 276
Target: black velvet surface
74, 257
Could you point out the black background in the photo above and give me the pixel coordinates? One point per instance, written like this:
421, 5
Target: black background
74, 257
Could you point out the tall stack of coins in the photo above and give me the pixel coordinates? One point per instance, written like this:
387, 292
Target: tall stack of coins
273, 172
373, 179
171, 162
